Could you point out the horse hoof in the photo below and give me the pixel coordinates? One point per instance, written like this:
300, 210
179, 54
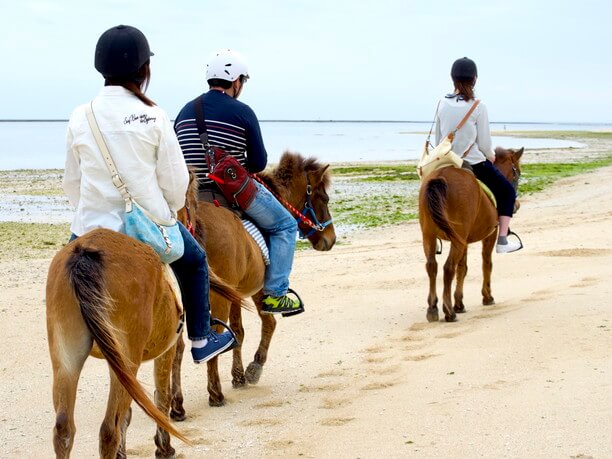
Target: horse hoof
166, 455
253, 372
433, 317
459, 309
215, 403
450, 318
488, 301
239, 383
178, 415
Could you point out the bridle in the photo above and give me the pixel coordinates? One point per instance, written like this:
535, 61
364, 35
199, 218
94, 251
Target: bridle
307, 216
516, 175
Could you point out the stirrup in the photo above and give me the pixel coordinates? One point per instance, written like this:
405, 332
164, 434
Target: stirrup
297, 311
512, 233
214, 321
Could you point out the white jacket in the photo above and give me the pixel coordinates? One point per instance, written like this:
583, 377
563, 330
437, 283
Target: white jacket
147, 154
475, 133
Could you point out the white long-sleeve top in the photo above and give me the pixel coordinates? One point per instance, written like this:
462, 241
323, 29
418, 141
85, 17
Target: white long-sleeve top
475, 133
145, 150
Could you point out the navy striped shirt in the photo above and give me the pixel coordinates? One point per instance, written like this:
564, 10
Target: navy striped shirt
230, 124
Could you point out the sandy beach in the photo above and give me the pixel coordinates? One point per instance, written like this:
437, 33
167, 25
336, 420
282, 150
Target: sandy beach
362, 374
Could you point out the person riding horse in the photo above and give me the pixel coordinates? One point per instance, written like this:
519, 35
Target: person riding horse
149, 158
473, 142
233, 126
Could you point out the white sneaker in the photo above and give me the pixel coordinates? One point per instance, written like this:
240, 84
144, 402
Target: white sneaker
511, 246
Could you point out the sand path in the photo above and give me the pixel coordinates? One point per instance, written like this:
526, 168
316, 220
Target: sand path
362, 374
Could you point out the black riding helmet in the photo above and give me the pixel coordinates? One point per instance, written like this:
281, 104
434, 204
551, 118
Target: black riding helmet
464, 69
121, 51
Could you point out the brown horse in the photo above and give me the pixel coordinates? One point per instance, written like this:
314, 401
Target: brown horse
453, 207
235, 256
109, 296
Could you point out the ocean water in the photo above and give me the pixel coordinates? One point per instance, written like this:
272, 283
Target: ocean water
40, 144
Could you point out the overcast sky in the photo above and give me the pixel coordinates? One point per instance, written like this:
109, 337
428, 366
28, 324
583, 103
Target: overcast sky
547, 61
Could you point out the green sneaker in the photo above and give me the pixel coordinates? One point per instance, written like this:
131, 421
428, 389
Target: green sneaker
282, 305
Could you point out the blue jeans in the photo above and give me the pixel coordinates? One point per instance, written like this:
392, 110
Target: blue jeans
191, 271
280, 229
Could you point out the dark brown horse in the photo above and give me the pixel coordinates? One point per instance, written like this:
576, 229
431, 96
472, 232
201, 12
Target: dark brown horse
109, 296
234, 255
453, 207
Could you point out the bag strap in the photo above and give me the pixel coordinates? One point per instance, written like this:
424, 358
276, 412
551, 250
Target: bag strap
464, 120
201, 125
432, 124
200, 122
108, 159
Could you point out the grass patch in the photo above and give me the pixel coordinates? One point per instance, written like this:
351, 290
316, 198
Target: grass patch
375, 210
378, 173
556, 134
536, 177
32, 240
44, 182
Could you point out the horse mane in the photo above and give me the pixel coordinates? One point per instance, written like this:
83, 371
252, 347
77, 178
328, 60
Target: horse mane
289, 165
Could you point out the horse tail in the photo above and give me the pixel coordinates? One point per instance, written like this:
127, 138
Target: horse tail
85, 268
436, 192
221, 287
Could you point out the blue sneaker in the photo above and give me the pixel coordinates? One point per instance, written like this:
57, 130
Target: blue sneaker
218, 343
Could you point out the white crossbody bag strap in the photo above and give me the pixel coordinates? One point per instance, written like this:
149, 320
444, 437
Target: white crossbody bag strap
116, 178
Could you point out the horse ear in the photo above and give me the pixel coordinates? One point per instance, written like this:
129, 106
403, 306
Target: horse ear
319, 173
519, 153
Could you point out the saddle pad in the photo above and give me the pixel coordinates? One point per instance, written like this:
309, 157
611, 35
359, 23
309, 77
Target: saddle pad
488, 192
250, 228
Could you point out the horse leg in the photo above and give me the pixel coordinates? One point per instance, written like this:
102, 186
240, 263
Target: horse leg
238, 379
122, 453
450, 268
219, 308
215, 391
116, 412
67, 360
268, 324
431, 265
177, 411
461, 273
163, 370
487, 267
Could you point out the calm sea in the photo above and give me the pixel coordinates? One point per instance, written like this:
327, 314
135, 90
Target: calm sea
40, 144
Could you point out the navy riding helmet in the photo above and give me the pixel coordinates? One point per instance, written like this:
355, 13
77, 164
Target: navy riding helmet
121, 51
464, 69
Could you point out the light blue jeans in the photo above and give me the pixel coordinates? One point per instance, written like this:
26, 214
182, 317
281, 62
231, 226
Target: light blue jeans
280, 228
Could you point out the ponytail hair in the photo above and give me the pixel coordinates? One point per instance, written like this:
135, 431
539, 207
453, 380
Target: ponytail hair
137, 83
465, 88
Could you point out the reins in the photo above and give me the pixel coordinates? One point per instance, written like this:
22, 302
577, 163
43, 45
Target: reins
300, 216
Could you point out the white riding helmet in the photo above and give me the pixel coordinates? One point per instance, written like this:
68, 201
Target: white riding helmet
227, 65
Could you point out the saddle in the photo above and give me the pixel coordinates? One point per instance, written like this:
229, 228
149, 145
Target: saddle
217, 198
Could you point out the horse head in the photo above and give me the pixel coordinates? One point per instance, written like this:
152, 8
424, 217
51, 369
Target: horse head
508, 161
304, 182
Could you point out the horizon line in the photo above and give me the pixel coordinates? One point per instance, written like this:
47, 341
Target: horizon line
59, 120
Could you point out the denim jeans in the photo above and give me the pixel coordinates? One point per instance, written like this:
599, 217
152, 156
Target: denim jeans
191, 271
280, 228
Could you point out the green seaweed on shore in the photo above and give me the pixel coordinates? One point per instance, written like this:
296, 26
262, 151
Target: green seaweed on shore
375, 210
535, 177
32, 240
606, 135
